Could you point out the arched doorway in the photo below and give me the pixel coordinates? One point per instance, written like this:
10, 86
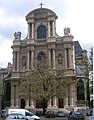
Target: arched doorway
80, 90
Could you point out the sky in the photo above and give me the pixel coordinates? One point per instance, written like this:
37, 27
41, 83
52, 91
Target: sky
78, 15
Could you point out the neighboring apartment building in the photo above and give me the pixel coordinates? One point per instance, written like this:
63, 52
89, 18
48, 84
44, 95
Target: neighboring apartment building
42, 42
5, 74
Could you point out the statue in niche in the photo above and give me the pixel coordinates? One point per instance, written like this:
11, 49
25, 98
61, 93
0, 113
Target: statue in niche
66, 31
60, 59
17, 35
23, 61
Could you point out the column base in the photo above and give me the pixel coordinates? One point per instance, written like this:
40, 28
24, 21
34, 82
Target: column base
27, 107
55, 106
17, 106
32, 107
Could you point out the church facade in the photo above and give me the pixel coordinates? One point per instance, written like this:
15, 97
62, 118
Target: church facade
61, 53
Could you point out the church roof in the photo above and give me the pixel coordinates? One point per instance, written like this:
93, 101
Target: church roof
78, 49
41, 10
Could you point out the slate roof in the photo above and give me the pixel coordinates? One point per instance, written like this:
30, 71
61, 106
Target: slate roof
78, 49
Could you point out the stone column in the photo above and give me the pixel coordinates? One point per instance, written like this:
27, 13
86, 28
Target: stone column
49, 104
49, 52
48, 28
12, 95
32, 104
70, 59
32, 30
66, 98
73, 58
55, 102
27, 104
54, 59
13, 61
18, 62
65, 60
27, 60
28, 30
53, 28
66, 102
17, 96
71, 96
32, 59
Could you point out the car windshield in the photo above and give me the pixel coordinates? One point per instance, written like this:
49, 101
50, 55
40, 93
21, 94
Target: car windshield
77, 113
16, 116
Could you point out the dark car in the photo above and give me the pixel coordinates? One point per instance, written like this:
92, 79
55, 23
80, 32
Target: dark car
39, 113
76, 115
60, 114
2, 112
15, 116
50, 114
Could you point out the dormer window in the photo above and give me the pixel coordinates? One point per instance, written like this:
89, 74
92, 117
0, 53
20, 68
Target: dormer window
41, 32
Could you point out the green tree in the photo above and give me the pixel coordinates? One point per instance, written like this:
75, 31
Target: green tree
44, 83
91, 73
86, 74
91, 59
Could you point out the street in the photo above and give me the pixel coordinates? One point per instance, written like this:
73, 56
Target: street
56, 118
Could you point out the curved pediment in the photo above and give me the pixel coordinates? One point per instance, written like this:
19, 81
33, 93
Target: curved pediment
41, 13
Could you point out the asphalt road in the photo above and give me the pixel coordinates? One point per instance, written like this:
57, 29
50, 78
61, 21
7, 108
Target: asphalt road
56, 118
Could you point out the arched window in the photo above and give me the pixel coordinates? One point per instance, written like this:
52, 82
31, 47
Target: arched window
41, 59
41, 32
80, 90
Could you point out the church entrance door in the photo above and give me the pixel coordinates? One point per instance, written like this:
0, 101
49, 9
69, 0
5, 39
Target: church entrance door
22, 103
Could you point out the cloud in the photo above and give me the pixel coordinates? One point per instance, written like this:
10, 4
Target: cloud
76, 14
5, 53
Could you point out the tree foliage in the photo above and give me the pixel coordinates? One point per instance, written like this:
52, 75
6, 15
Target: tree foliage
91, 60
45, 83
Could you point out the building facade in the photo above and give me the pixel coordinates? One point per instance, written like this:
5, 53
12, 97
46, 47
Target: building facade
61, 53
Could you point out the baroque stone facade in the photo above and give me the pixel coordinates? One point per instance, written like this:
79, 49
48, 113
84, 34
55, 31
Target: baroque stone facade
61, 52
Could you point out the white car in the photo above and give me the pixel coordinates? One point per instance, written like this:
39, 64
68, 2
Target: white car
24, 112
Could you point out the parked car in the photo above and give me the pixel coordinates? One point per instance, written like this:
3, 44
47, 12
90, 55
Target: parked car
39, 113
76, 115
15, 116
2, 113
60, 114
24, 112
50, 114
91, 115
